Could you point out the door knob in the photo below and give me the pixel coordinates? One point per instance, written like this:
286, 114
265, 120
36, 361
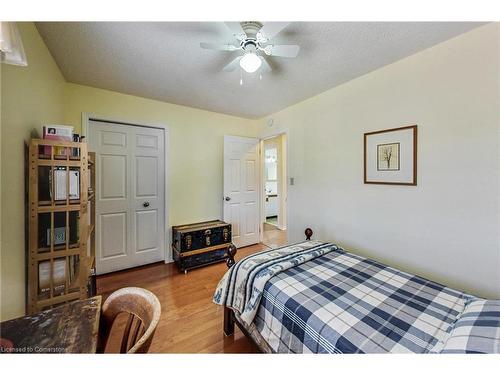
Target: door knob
146, 204
227, 199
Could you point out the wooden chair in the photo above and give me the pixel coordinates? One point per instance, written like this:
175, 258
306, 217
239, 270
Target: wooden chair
143, 309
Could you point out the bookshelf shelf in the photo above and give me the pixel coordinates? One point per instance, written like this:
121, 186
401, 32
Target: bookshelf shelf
59, 162
61, 239
75, 202
59, 208
60, 253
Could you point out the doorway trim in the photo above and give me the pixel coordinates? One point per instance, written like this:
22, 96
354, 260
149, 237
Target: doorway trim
271, 135
87, 117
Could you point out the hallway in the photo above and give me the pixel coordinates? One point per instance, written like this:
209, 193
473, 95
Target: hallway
274, 237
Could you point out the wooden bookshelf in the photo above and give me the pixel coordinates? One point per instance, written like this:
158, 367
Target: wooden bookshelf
61, 219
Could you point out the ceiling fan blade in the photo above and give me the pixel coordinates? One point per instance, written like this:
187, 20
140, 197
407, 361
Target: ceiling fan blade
265, 67
219, 47
270, 30
232, 65
236, 30
283, 50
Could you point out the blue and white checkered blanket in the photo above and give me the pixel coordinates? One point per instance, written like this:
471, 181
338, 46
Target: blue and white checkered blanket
317, 298
242, 285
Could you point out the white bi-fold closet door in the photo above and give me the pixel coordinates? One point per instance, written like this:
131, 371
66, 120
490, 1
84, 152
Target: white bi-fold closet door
130, 196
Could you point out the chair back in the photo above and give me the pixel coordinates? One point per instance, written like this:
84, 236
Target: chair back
143, 309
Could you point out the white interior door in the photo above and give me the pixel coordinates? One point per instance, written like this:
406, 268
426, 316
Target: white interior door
241, 189
130, 196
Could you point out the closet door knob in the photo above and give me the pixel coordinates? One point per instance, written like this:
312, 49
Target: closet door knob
146, 204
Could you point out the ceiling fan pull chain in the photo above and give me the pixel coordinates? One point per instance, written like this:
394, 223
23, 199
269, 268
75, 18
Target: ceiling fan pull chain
241, 77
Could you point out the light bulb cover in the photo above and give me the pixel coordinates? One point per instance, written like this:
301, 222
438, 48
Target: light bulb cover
250, 62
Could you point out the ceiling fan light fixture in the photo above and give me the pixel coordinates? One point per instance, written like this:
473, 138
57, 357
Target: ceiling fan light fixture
250, 62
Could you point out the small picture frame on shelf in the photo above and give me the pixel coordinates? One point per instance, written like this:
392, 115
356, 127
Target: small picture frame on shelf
59, 236
390, 156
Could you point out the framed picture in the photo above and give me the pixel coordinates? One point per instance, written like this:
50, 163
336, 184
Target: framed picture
391, 156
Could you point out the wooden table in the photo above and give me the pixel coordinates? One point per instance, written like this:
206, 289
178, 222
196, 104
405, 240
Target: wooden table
70, 328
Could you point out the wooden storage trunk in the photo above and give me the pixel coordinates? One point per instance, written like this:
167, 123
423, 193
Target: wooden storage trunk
199, 244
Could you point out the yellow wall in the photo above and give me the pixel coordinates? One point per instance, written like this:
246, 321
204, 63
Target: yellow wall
31, 96
196, 144
38, 94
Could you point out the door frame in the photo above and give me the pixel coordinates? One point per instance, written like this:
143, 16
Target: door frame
87, 117
272, 134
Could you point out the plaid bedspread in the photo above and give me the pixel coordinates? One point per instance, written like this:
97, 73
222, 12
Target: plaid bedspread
242, 286
339, 302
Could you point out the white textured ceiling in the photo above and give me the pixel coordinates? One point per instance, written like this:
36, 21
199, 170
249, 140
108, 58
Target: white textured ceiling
164, 61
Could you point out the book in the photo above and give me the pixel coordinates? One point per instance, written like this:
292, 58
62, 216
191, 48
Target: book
60, 188
59, 133
58, 277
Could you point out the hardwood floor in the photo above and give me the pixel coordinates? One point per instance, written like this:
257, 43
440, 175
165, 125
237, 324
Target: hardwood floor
274, 237
190, 322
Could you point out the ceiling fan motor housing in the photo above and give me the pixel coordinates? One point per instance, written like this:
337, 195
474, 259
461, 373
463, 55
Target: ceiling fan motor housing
251, 28
251, 42
250, 45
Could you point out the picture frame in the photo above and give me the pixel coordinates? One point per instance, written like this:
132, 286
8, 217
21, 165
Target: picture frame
390, 156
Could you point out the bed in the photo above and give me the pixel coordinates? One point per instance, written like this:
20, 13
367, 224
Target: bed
315, 297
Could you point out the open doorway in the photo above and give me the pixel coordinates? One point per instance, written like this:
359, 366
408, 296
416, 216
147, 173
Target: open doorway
274, 191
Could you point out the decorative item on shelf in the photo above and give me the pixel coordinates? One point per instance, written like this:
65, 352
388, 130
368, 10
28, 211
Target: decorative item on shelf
59, 236
58, 220
391, 156
76, 151
199, 244
58, 133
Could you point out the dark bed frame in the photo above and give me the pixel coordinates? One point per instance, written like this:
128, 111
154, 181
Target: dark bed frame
229, 317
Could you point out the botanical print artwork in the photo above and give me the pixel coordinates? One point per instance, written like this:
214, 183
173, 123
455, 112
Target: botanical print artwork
388, 157
391, 156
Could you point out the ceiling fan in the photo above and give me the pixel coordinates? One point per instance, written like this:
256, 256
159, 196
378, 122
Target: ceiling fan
255, 42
